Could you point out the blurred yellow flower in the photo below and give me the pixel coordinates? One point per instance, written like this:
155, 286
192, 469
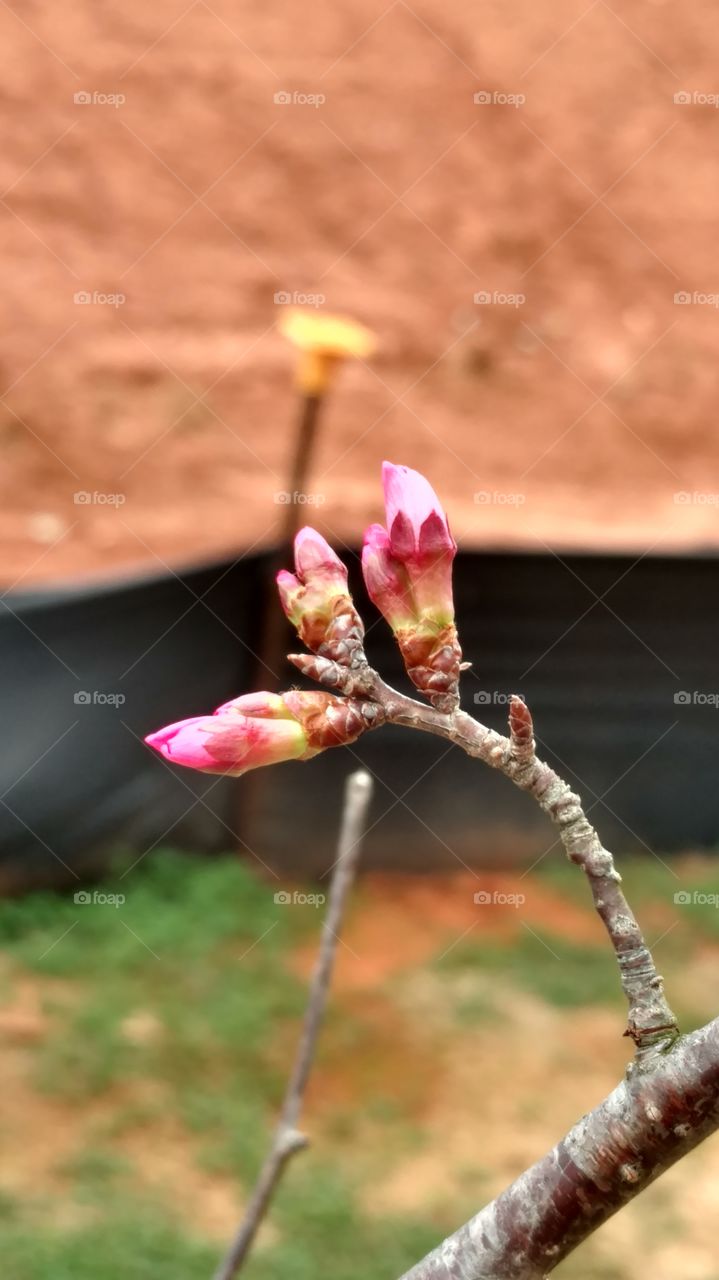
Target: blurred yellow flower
323, 341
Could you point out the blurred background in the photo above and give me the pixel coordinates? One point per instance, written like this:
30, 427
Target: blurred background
519, 201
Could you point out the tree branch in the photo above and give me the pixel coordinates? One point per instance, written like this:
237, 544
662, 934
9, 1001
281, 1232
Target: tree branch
651, 1023
669, 1100
288, 1140
650, 1121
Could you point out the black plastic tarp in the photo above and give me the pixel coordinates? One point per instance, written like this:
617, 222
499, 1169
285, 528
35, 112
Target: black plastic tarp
85, 674
616, 655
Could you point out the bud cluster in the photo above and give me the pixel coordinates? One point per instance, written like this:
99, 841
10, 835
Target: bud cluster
407, 568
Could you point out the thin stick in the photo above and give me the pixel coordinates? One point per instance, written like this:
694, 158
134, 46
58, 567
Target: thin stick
288, 1139
301, 466
275, 627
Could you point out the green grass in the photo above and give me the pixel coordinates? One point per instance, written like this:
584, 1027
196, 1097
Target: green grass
131, 1240
201, 952
320, 1233
177, 910
198, 947
562, 973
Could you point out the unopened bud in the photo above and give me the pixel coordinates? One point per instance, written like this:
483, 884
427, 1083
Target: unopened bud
263, 728
408, 573
317, 602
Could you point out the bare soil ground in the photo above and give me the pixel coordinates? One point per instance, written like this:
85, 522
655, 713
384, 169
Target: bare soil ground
577, 415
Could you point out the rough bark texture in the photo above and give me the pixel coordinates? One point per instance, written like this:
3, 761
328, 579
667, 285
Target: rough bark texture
648, 1123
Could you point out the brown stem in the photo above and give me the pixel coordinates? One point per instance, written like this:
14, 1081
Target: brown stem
651, 1023
288, 1140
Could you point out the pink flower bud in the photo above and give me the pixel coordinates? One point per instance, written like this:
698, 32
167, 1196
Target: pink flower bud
408, 573
386, 579
230, 742
314, 557
410, 502
263, 728
317, 602
319, 578
419, 539
408, 566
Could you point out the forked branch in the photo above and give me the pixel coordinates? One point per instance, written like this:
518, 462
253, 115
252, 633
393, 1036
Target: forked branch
288, 1140
650, 1121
